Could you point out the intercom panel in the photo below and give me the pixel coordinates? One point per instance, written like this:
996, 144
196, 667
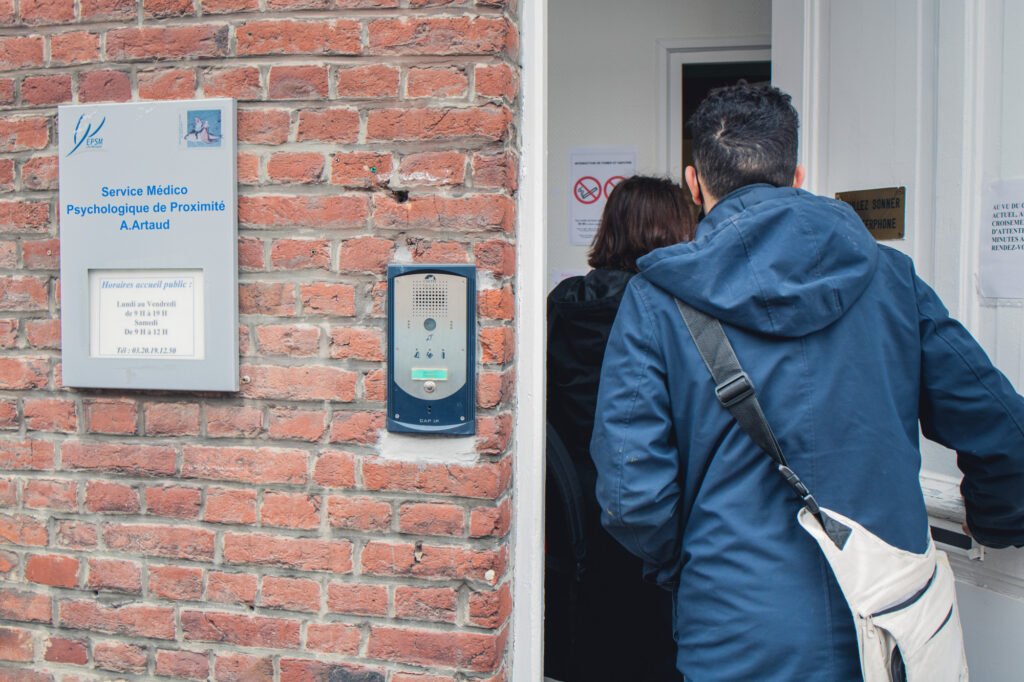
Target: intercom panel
431, 348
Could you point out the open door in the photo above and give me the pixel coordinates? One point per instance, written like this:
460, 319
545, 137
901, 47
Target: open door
925, 96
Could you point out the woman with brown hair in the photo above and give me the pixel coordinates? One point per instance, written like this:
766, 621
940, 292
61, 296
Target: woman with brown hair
602, 621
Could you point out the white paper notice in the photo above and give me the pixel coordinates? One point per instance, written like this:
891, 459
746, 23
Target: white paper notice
593, 173
1002, 240
146, 313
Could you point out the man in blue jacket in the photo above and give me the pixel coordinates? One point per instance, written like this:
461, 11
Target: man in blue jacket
849, 351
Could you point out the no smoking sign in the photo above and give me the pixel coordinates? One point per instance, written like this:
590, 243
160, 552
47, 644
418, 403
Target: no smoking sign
587, 190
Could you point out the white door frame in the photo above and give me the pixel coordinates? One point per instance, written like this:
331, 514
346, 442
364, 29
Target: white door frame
671, 55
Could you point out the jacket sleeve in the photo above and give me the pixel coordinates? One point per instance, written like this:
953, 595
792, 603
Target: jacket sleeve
633, 445
968, 405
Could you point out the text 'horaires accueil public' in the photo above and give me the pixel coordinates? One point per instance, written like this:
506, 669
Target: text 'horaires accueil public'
143, 214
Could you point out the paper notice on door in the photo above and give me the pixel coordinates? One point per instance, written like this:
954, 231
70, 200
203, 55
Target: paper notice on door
593, 174
1002, 240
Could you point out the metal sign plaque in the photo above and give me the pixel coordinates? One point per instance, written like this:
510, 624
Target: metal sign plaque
882, 210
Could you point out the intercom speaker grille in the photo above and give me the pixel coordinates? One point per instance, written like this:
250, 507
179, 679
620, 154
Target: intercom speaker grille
430, 298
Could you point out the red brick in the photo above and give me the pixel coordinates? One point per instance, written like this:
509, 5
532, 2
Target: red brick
7, 88
9, 499
46, 414
295, 340
168, 8
24, 606
7, 185
176, 501
437, 82
250, 250
304, 211
119, 657
43, 333
300, 383
30, 454
433, 168
175, 542
496, 304
300, 254
16, 645
361, 169
487, 123
295, 37
46, 11
232, 667
361, 344
296, 167
45, 494
77, 47
25, 675
334, 638
8, 252
19, 52
166, 84
375, 80
8, 420
497, 345
23, 293
466, 650
46, 90
104, 86
297, 82
359, 513
490, 609
115, 575
303, 554
175, 582
8, 333
138, 460
41, 254
483, 212
53, 570
287, 423
365, 254
110, 415
417, 677
76, 535
431, 519
293, 594
182, 664
60, 650
496, 521
496, 81
266, 298
482, 481
8, 562
23, 530
233, 421
182, 42
329, 125
304, 670
265, 126
224, 505
439, 252
107, 9
359, 600
433, 604
231, 588
228, 6
290, 510
493, 434
324, 298
171, 419
240, 83
357, 427
439, 35
231, 628
375, 386
335, 469
379, 296
24, 216
243, 464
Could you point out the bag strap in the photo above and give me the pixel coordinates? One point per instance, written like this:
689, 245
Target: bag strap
735, 391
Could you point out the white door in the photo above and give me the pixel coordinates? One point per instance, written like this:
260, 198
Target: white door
927, 95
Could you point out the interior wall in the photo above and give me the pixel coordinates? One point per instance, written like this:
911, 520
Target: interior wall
603, 84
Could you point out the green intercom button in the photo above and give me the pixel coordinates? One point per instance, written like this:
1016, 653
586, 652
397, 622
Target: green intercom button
430, 375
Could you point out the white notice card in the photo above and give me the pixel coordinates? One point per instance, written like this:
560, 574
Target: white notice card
593, 174
1002, 240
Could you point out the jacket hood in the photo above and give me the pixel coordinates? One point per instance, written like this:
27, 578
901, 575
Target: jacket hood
774, 260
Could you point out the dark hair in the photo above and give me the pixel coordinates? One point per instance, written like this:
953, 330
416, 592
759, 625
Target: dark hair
642, 214
744, 134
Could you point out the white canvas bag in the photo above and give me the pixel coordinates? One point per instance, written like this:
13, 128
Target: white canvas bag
903, 604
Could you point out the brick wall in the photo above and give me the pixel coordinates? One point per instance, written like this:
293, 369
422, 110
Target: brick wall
264, 535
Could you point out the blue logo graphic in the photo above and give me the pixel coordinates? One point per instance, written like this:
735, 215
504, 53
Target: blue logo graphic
88, 135
203, 128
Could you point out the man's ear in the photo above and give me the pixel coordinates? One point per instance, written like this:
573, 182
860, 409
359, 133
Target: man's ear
690, 175
799, 176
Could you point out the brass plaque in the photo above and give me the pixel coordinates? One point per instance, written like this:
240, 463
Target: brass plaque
882, 210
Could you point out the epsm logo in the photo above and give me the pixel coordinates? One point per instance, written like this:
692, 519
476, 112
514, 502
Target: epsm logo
87, 133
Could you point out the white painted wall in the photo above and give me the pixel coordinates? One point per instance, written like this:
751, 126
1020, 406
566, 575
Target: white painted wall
603, 87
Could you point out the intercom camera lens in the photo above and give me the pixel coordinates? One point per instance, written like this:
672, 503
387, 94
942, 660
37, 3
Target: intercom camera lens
429, 324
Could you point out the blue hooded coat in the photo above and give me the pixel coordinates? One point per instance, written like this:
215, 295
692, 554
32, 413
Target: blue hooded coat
849, 351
